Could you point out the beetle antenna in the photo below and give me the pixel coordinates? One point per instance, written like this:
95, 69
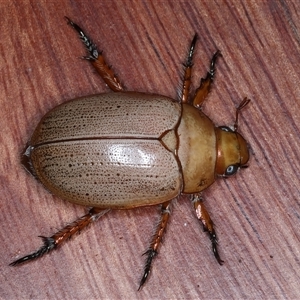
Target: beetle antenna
239, 108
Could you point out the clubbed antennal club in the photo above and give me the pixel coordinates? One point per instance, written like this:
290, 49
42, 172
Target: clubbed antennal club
239, 108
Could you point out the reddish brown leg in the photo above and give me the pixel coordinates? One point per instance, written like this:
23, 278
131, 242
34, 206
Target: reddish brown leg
97, 60
204, 217
156, 240
188, 72
205, 84
58, 238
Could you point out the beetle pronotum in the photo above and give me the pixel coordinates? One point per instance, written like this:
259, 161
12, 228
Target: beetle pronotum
128, 149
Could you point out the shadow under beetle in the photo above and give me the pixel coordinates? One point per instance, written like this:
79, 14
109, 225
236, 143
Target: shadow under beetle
128, 149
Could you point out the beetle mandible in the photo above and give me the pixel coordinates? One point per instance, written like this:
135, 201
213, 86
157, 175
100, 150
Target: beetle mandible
129, 149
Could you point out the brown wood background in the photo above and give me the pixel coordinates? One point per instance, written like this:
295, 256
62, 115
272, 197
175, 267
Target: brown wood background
256, 213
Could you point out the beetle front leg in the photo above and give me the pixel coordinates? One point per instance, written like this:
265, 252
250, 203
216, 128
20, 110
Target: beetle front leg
156, 240
205, 84
204, 217
58, 238
97, 60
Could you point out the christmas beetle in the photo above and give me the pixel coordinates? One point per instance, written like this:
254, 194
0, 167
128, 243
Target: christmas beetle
126, 149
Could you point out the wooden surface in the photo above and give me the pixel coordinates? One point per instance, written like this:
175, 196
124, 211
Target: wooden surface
256, 213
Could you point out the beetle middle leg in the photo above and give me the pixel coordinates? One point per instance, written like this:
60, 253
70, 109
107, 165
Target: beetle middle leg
205, 83
58, 238
97, 60
156, 240
204, 217
188, 72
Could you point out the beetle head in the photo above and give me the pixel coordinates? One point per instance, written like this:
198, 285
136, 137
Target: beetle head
232, 151
232, 148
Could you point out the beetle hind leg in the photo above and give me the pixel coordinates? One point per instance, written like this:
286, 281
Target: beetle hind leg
58, 238
156, 240
97, 60
204, 217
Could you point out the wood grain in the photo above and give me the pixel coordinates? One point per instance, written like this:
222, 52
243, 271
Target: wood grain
256, 213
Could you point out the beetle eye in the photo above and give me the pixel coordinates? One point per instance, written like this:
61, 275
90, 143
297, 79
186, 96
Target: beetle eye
226, 128
232, 169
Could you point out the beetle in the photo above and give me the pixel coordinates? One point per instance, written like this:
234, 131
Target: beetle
128, 149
